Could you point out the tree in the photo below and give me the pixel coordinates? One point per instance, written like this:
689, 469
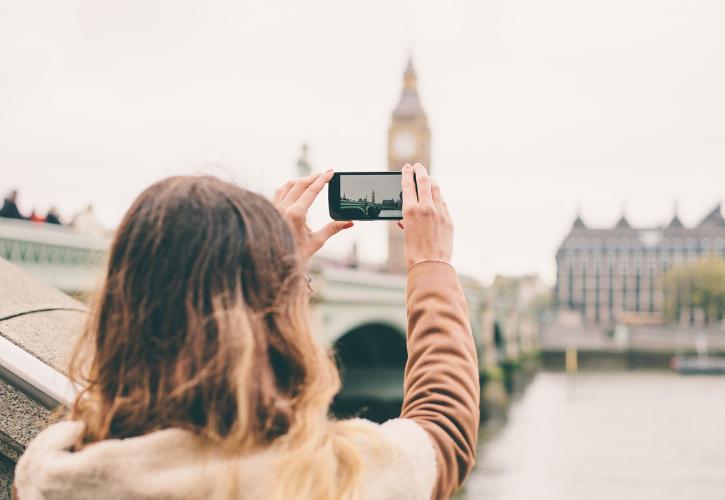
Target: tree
696, 285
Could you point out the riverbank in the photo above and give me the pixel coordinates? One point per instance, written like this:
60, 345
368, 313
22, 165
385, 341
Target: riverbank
606, 435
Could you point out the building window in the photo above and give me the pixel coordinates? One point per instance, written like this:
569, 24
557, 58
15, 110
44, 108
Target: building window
596, 296
584, 287
611, 293
637, 289
570, 286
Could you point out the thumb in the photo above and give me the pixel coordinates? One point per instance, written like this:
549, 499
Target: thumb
330, 229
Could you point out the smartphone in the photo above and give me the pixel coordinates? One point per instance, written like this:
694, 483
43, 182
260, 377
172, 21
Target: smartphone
365, 196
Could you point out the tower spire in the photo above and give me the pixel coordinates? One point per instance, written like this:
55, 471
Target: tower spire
578, 222
303, 165
409, 105
623, 222
410, 79
675, 222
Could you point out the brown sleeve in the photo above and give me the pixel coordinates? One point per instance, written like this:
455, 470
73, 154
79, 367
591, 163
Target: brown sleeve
441, 376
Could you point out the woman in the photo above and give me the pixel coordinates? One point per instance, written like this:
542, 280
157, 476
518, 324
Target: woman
201, 378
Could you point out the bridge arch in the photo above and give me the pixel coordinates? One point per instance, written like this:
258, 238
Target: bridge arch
339, 322
373, 344
371, 358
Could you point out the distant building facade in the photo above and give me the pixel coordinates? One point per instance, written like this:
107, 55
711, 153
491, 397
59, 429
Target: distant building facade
614, 275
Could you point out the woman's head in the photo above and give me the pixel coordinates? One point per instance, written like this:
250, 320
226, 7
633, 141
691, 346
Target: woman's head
201, 322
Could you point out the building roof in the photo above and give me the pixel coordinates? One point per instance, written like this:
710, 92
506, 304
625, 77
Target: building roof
713, 218
675, 222
409, 105
623, 222
711, 227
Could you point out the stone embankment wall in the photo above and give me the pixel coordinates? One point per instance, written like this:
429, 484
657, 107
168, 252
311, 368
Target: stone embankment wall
43, 322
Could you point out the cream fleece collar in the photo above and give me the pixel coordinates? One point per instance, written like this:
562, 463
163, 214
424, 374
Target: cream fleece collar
176, 464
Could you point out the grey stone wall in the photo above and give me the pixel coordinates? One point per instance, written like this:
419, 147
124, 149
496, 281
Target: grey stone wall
6, 477
44, 322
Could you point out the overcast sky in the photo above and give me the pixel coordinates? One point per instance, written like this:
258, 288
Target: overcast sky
360, 186
534, 106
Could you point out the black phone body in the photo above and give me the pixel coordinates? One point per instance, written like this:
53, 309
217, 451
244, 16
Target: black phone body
365, 196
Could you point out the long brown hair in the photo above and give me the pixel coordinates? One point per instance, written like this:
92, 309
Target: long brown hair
201, 324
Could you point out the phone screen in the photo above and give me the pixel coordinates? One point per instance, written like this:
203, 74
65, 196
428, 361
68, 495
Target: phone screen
366, 196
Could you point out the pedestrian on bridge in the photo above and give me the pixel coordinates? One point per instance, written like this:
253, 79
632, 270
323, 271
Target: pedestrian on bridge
200, 377
9, 209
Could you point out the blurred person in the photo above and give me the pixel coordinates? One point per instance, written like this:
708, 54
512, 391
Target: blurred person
9, 209
85, 222
201, 378
35, 217
53, 216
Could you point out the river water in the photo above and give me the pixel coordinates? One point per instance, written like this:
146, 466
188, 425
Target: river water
631, 435
390, 213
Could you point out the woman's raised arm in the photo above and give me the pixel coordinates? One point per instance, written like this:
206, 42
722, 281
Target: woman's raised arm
441, 390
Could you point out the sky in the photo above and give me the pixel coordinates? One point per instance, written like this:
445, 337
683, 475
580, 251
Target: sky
535, 107
360, 186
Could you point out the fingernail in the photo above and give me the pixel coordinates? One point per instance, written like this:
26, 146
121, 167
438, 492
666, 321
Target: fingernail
348, 225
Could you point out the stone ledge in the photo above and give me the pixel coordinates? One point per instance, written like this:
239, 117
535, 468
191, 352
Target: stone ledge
20, 292
44, 322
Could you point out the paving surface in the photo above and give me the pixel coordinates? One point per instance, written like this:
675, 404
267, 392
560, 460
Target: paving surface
20, 292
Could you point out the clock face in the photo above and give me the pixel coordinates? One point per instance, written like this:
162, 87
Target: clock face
404, 145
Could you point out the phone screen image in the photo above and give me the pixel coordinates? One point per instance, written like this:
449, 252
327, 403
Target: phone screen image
366, 196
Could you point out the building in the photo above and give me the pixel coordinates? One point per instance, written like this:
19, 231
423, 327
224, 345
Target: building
408, 142
614, 275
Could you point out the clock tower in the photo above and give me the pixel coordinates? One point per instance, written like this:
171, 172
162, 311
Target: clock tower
408, 142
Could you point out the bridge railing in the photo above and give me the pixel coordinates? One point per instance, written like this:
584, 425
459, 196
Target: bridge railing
58, 255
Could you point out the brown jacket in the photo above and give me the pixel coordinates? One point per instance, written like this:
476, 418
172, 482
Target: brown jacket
441, 377
432, 444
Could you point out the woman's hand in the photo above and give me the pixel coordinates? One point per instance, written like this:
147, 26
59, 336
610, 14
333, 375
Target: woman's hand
293, 200
427, 224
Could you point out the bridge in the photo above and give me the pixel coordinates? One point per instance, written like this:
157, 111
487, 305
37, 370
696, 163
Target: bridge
360, 313
57, 255
354, 209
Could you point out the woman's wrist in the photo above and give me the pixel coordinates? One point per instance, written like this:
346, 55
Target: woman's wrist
421, 261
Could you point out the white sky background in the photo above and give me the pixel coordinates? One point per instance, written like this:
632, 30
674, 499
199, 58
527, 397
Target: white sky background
534, 106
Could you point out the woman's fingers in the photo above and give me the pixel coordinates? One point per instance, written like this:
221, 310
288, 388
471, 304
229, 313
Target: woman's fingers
445, 210
293, 201
313, 189
435, 192
408, 187
423, 181
281, 193
330, 229
440, 203
296, 189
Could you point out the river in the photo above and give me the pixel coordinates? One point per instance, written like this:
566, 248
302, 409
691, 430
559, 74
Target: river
390, 213
630, 435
